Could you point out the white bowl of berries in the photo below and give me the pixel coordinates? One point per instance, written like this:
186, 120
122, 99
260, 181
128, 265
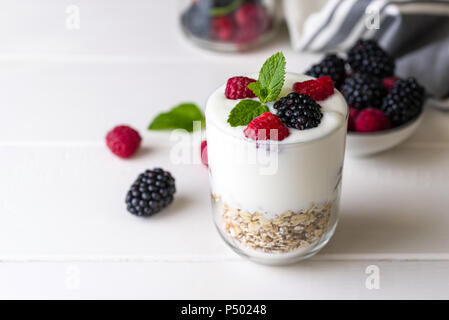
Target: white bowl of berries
368, 143
384, 110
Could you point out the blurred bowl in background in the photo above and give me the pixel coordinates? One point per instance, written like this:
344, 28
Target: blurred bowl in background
229, 25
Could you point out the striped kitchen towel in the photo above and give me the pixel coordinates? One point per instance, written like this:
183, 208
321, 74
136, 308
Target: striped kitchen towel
415, 32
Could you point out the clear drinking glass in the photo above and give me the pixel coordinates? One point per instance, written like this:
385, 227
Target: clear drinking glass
274, 202
229, 25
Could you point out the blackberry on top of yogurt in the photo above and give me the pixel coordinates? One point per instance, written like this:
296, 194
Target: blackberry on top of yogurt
298, 111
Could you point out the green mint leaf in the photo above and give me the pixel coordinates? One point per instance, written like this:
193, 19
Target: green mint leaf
264, 94
245, 111
271, 77
259, 91
255, 88
225, 10
180, 117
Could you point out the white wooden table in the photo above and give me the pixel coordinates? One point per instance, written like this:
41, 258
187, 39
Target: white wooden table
64, 230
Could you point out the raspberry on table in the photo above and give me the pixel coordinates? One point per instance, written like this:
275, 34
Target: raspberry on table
404, 101
319, 89
223, 28
371, 120
363, 91
123, 141
203, 153
366, 56
332, 66
261, 128
237, 88
298, 111
151, 192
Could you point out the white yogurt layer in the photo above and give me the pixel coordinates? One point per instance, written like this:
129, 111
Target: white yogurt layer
299, 171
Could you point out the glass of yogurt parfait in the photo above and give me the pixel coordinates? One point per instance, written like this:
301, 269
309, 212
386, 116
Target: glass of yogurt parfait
276, 162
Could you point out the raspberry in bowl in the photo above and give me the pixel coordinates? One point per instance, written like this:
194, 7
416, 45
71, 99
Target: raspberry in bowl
275, 169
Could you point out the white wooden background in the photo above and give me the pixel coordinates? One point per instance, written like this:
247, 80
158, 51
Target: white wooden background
64, 231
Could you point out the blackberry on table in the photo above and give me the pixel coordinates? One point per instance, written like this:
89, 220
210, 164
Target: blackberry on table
363, 91
404, 101
332, 66
366, 56
151, 192
298, 111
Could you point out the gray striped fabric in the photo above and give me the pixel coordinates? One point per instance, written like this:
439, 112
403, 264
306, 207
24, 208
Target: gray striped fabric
415, 32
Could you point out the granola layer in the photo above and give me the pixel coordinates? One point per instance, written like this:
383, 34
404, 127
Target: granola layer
285, 233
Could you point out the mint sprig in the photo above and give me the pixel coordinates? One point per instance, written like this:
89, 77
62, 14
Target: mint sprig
181, 116
271, 78
225, 10
267, 88
245, 111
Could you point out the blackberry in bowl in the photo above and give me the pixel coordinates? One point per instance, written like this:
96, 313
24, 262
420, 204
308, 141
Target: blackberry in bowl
366, 56
332, 66
404, 102
363, 91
